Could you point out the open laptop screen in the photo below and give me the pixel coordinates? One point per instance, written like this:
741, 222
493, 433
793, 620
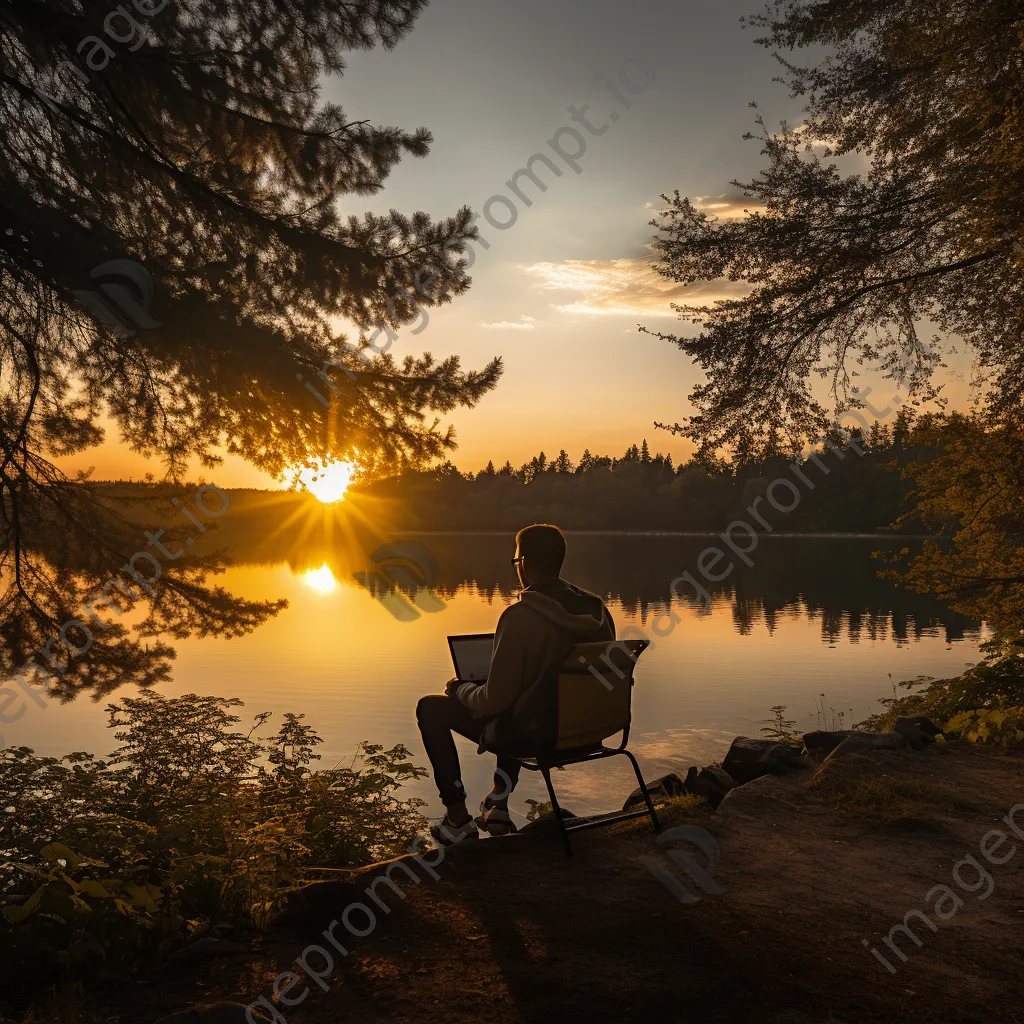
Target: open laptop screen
471, 656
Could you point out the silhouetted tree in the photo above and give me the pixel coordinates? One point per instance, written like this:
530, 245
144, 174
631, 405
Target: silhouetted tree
861, 493
901, 428
844, 267
532, 469
879, 437
191, 138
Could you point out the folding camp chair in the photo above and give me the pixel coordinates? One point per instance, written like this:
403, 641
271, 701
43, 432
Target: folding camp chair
595, 686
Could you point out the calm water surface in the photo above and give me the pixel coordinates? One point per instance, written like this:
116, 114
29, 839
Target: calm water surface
809, 618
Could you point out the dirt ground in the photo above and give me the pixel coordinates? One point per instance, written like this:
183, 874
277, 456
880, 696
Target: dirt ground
513, 932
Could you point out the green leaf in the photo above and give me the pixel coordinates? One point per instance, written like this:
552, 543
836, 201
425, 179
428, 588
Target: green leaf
144, 896
90, 887
16, 914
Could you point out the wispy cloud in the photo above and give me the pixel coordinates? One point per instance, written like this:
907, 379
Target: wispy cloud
729, 205
625, 287
524, 323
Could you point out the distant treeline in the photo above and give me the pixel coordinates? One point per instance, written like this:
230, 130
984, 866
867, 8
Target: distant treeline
853, 484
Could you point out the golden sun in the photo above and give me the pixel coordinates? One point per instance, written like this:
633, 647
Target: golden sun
328, 482
321, 579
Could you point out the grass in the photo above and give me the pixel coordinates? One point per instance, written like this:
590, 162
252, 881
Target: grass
883, 797
685, 807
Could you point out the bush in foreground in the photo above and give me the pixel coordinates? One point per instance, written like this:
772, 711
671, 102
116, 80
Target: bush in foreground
189, 828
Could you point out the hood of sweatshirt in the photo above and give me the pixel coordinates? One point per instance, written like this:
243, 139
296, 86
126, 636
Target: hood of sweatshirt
577, 623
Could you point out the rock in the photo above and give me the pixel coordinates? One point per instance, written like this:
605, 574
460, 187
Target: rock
665, 788
221, 1013
762, 797
711, 783
749, 759
907, 733
208, 948
857, 742
822, 743
918, 732
546, 820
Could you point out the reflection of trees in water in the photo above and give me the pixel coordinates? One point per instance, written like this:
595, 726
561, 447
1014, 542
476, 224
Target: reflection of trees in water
833, 580
249, 269
90, 601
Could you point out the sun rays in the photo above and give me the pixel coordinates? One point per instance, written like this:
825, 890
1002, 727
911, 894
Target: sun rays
328, 542
328, 482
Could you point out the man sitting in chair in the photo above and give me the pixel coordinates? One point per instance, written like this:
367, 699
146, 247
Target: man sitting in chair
550, 617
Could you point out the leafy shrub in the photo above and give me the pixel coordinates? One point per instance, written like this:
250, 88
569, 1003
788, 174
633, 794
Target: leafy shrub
189, 826
995, 684
538, 808
1004, 727
781, 729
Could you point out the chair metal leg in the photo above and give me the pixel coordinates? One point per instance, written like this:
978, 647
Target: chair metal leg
546, 772
643, 789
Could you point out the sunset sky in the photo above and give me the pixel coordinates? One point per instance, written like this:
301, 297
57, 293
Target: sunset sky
559, 293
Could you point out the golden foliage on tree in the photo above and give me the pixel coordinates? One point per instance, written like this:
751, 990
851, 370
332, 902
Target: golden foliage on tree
970, 492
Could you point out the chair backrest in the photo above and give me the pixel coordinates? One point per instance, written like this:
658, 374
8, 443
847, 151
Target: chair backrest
595, 686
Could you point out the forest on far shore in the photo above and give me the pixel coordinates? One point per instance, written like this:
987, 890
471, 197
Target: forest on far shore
854, 484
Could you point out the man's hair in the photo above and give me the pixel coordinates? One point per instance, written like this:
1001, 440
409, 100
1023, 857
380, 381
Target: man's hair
544, 545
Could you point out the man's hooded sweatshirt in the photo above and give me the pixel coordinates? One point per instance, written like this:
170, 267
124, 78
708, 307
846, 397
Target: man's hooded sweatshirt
532, 635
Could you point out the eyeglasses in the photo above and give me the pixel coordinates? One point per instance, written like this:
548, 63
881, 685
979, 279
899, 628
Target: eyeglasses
516, 561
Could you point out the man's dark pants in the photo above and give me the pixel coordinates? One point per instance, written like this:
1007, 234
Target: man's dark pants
438, 717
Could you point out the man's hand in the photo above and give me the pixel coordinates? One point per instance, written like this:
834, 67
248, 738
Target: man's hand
451, 686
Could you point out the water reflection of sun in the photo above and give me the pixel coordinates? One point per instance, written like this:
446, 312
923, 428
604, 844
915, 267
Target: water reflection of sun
328, 482
321, 579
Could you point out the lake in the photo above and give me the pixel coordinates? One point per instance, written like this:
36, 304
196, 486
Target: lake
809, 626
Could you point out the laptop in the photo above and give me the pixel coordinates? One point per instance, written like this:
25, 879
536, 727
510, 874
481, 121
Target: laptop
471, 656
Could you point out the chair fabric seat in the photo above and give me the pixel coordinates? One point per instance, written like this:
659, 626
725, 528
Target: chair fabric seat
593, 695
561, 757
590, 701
